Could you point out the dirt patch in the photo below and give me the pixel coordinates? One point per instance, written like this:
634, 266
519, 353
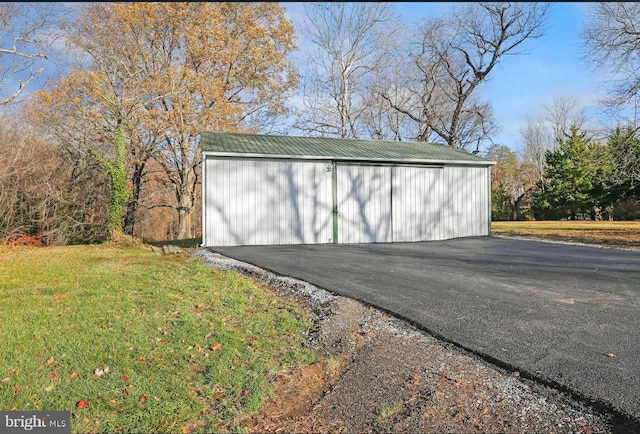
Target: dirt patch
379, 374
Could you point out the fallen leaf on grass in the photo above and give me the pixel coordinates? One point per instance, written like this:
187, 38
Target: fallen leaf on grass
82, 404
216, 347
74, 375
6, 380
50, 360
53, 375
126, 392
143, 398
125, 378
100, 372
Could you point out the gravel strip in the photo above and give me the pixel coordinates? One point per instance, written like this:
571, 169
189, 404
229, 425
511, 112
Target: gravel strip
395, 378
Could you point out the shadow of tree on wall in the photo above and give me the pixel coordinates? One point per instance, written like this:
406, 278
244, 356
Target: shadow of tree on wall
364, 205
269, 202
257, 202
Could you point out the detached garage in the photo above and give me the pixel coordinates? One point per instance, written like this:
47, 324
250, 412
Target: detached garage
266, 190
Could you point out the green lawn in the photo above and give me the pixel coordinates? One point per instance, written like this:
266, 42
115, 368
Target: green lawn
151, 343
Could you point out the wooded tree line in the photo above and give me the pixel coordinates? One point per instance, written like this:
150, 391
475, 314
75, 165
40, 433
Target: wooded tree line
580, 178
109, 145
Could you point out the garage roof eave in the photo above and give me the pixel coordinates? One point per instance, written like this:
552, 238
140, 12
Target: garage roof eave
417, 161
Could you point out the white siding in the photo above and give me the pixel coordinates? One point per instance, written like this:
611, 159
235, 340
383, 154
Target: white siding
438, 204
417, 203
364, 204
262, 202
465, 206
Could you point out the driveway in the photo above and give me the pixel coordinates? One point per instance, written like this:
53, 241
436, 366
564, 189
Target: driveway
565, 315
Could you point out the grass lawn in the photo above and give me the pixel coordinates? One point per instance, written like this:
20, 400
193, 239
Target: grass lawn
132, 342
612, 233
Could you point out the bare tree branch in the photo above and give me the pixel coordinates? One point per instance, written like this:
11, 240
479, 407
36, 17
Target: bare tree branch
27, 33
454, 57
611, 42
355, 42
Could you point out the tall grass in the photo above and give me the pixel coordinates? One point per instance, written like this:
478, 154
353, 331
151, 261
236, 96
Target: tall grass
151, 343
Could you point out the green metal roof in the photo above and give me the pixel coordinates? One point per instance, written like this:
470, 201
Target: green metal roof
255, 145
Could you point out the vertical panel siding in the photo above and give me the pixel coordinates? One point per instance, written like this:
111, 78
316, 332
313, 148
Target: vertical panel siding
259, 202
416, 203
437, 204
464, 209
364, 204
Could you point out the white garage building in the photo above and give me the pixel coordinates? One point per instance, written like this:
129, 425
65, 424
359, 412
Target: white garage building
267, 190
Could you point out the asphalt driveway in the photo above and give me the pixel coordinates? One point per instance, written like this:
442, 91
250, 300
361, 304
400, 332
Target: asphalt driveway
551, 311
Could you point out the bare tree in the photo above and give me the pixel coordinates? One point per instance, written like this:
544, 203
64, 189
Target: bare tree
563, 113
541, 135
354, 41
611, 37
537, 140
47, 191
454, 57
381, 121
27, 31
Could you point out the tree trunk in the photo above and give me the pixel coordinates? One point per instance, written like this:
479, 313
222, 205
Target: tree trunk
185, 194
117, 173
184, 223
132, 202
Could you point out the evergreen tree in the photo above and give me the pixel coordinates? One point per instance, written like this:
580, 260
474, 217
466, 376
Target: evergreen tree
575, 180
624, 146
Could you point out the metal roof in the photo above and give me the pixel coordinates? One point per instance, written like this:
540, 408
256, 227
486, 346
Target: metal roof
267, 146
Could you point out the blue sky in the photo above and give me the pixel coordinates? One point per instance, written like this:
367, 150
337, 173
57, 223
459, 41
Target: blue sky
521, 86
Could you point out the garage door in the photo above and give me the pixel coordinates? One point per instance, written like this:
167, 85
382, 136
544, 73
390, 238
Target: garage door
364, 204
406, 203
418, 195
262, 202
439, 203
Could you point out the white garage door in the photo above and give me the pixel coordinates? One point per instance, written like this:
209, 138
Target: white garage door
439, 203
405, 203
418, 194
262, 202
364, 204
